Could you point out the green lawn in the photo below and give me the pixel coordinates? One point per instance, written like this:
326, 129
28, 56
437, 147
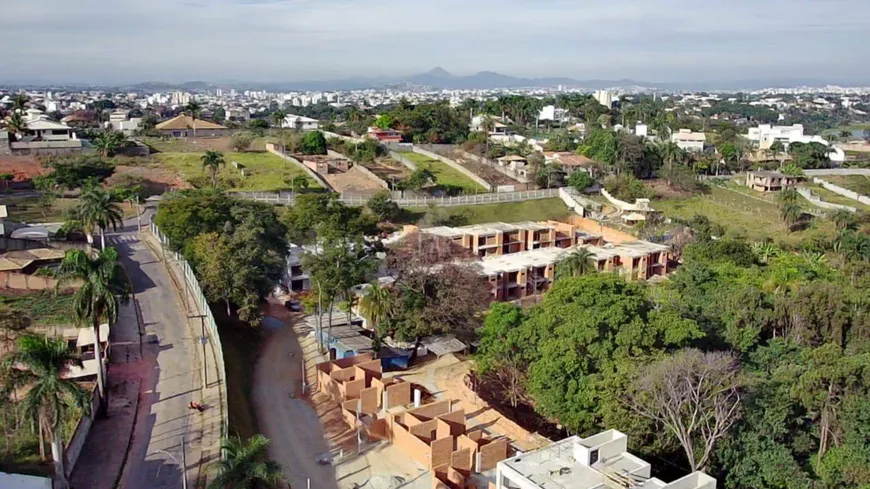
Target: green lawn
835, 198
265, 171
44, 307
741, 215
530, 210
444, 174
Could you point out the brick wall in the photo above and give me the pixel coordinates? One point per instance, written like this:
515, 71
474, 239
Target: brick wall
398, 394
441, 451
492, 453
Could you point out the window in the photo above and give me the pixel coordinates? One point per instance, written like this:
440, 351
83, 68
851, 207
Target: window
593, 457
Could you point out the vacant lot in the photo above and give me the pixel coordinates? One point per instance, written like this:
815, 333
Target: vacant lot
855, 183
445, 175
196, 145
742, 215
265, 172
42, 307
32, 210
530, 210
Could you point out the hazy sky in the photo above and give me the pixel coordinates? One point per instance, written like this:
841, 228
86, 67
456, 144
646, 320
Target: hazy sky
111, 41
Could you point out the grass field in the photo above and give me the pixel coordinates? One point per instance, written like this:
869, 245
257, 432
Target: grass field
740, 214
265, 171
855, 183
530, 210
30, 210
835, 198
43, 307
444, 174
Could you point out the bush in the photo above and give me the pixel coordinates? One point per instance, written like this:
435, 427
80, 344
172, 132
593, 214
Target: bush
580, 180
241, 141
626, 187
383, 207
73, 172
314, 144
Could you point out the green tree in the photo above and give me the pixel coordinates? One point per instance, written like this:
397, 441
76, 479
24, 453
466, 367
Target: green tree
16, 125
580, 181
314, 143
671, 155
47, 194
39, 364
383, 207
502, 358
580, 262
212, 161
104, 286
245, 465
419, 178
277, 118
789, 209
384, 121
298, 183
376, 305
193, 109
99, 208
241, 141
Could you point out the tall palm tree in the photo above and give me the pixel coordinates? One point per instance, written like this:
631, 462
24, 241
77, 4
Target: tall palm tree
193, 109
213, 160
777, 147
245, 466
671, 155
487, 124
100, 208
277, 117
104, 286
789, 209
37, 365
580, 262
19, 102
843, 219
16, 125
376, 305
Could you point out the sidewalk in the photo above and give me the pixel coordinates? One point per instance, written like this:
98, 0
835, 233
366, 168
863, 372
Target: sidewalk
203, 449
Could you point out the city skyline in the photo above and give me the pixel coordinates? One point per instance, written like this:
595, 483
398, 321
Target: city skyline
272, 41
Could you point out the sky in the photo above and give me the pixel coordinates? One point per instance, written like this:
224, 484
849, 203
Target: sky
128, 41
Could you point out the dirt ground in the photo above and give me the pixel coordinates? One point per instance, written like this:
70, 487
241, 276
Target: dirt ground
304, 429
160, 177
21, 167
487, 173
198, 145
353, 180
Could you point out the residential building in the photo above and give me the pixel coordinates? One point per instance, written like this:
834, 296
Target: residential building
42, 137
299, 122
570, 162
769, 181
384, 135
520, 259
765, 135
514, 162
604, 97
182, 126
295, 278
689, 141
596, 462
499, 127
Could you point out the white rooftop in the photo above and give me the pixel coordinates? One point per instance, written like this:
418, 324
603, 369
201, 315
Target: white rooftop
21, 481
597, 462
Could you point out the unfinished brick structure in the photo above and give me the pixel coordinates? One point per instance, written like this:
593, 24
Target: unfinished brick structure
433, 435
357, 385
439, 439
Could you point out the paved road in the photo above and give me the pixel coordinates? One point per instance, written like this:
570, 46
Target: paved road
174, 381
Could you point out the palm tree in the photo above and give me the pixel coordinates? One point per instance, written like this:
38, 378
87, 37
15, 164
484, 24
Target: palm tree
777, 147
16, 124
37, 365
376, 305
99, 208
277, 117
19, 102
244, 466
213, 160
671, 155
104, 286
580, 262
193, 109
487, 124
843, 219
790, 211
766, 251
108, 142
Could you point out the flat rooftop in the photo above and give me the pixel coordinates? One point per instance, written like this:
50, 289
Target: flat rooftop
544, 256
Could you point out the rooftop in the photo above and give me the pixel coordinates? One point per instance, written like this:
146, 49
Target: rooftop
183, 121
595, 462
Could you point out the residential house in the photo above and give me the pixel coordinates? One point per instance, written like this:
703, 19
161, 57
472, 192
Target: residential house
182, 126
769, 181
42, 137
299, 122
765, 135
598, 461
514, 162
384, 135
570, 162
499, 127
689, 141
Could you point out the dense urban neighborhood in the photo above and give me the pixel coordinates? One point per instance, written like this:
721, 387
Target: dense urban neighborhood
413, 285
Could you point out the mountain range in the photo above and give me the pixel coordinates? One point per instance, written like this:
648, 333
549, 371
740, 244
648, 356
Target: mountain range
439, 78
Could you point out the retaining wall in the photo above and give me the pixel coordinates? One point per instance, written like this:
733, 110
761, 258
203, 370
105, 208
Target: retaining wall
842, 191
818, 202
495, 166
405, 161
308, 171
456, 166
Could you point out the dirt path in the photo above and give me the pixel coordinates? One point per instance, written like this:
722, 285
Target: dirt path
298, 438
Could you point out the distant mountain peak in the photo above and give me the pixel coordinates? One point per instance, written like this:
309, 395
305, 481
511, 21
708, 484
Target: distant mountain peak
439, 72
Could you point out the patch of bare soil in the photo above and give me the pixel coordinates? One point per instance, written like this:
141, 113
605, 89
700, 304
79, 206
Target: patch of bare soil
354, 181
161, 178
21, 167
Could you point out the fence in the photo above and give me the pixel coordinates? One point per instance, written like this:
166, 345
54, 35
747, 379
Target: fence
405, 161
506, 171
289, 198
208, 320
77, 441
843, 191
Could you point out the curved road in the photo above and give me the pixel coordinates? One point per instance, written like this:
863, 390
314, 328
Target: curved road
164, 417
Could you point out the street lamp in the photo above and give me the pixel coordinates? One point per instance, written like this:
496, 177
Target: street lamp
182, 464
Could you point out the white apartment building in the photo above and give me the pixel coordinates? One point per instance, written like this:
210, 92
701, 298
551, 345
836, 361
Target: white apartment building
689, 141
604, 97
600, 461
